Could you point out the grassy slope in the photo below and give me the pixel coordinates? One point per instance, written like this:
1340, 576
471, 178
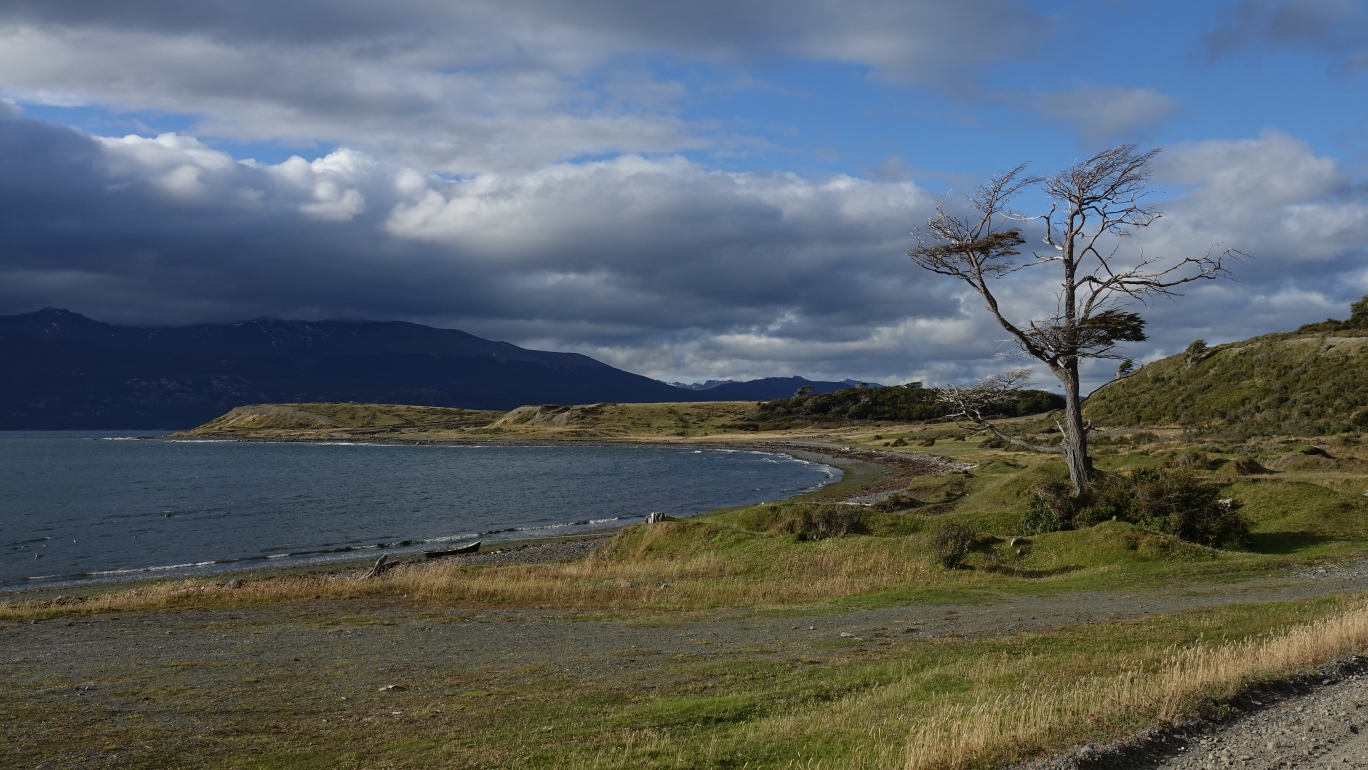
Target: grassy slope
608, 421
1290, 383
324, 420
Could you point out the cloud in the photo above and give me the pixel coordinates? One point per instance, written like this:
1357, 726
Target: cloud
473, 86
657, 264
1100, 112
1336, 29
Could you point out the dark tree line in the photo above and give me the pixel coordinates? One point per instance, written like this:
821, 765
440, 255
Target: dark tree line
900, 403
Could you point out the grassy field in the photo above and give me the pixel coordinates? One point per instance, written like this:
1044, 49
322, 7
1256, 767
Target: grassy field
970, 701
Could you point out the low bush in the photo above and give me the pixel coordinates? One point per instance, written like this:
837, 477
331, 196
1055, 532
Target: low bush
815, 522
952, 541
1053, 507
1171, 501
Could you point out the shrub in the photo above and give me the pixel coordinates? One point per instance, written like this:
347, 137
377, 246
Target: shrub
952, 542
1180, 504
1052, 507
1172, 501
815, 522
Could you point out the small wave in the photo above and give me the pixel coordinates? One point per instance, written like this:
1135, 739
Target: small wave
135, 570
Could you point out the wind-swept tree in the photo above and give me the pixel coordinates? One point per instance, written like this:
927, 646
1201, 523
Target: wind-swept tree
1095, 205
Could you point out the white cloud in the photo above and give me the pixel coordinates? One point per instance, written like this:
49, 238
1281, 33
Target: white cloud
1108, 111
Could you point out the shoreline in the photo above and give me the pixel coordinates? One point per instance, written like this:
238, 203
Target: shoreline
856, 467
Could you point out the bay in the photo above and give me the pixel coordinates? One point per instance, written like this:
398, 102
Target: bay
100, 507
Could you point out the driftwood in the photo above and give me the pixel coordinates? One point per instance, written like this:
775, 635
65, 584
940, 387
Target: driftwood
382, 565
468, 548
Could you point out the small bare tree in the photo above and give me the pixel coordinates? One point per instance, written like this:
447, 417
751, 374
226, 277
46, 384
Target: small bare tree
1095, 205
971, 406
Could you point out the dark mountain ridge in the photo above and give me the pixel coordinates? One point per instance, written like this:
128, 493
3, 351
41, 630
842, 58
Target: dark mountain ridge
66, 371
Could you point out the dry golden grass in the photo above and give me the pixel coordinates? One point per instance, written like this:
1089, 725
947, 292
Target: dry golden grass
1175, 686
818, 571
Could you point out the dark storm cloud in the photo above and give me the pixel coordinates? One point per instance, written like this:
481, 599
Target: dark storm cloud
1334, 28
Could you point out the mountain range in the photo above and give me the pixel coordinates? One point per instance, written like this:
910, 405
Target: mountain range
66, 371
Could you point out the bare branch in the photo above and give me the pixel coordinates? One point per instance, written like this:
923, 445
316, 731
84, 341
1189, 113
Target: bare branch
975, 403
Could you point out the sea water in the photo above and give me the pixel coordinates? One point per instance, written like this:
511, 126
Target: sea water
101, 507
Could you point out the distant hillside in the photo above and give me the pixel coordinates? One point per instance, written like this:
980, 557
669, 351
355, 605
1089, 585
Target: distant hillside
766, 389
387, 421
65, 371
1313, 381
901, 403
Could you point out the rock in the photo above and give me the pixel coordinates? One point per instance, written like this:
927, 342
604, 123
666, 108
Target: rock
392, 688
232, 585
624, 584
656, 517
847, 635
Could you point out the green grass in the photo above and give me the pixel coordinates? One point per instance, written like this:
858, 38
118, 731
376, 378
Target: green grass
1287, 383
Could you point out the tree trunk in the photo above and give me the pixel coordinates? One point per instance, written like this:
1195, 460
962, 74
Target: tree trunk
1075, 441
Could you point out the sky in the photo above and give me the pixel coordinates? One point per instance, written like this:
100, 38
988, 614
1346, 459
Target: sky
689, 191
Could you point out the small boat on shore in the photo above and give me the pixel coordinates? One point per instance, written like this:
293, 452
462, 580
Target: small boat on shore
457, 551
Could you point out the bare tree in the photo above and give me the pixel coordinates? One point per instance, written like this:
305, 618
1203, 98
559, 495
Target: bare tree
974, 404
1096, 204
